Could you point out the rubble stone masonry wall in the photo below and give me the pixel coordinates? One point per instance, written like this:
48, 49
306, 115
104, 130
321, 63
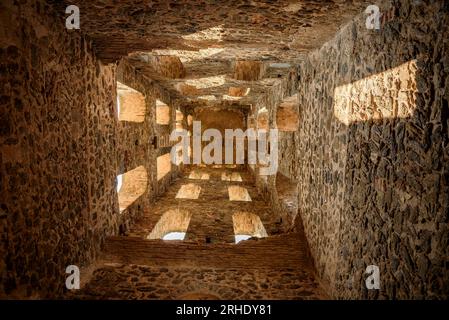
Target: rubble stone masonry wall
139, 142
373, 154
58, 150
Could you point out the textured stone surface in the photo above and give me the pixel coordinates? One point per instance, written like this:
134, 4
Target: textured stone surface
58, 157
275, 267
132, 268
249, 30
212, 212
363, 149
152, 283
62, 147
372, 156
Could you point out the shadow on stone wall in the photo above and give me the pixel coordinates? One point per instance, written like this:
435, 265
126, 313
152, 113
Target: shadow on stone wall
373, 174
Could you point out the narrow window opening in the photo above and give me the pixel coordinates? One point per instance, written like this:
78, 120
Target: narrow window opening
131, 105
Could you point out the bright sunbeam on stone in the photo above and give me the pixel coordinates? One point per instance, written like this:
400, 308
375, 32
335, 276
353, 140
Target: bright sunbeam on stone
195, 175
189, 191
237, 193
365, 99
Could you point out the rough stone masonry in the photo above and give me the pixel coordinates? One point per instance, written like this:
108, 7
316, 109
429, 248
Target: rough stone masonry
363, 171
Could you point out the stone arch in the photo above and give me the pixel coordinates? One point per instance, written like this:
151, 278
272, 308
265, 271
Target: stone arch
174, 220
248, 224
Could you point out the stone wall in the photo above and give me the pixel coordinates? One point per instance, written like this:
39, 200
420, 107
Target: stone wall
58, 150
221, 120
266, 109
373, 150
138, 144
277, 267
62, 147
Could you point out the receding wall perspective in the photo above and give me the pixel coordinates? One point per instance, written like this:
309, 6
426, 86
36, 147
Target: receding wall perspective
372, 177
57, 152
117, 183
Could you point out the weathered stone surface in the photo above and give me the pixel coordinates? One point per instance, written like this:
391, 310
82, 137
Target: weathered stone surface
363, 149
372, 96
57, 158
117, 283
280, 29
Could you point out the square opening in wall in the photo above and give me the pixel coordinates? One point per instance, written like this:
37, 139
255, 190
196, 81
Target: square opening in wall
162, 113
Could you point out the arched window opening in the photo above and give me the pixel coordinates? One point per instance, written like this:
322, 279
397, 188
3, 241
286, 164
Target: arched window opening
178, 119
172, 225
241, 237
119, 182
174, 236
247, 225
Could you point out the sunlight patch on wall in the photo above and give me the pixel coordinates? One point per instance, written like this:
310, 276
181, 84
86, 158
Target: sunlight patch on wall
234, 176
130, 104
189, 191
196, 175
133, 185
173, 224
386, 95
247, 225
162, 113
163, 166
237, 193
